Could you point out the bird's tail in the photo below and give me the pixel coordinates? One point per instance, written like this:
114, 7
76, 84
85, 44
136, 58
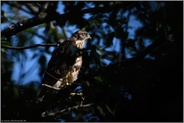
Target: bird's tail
41, 95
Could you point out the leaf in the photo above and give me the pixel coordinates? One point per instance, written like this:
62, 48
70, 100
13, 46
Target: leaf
99, 78
5, 43
42, 60
3, 38
3, 50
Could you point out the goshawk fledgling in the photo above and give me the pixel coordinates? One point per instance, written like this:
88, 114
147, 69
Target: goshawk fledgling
64, 65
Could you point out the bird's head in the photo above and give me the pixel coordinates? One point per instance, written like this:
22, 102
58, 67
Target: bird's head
82, 35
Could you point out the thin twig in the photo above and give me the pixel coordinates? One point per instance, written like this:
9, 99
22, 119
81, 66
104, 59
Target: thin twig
52, 87
116, 106
44, 114
51, 75
18, 6
27, 47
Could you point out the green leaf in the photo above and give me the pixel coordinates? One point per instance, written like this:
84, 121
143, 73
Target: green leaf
3, 38
3, 50
5, 43
99, 78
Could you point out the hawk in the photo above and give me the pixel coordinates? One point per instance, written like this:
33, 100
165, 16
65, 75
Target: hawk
64, 65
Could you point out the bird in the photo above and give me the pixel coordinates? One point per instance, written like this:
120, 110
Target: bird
65, 63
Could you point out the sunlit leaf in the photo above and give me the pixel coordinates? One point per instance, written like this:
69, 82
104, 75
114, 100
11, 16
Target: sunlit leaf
99, 79
3, 50
3, 38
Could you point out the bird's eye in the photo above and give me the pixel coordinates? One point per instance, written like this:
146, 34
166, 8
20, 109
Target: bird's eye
83, 34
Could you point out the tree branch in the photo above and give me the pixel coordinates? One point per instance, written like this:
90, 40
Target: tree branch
142, 54
27, 47
13, 29
44, 114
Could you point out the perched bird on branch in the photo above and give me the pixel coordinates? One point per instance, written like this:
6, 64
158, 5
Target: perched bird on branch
64, 65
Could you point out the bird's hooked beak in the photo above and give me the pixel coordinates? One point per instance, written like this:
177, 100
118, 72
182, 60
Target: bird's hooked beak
89, 37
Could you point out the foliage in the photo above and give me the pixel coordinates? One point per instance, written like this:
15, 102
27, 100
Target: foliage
143, 81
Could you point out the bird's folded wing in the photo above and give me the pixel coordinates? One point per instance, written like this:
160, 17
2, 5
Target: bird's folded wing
63, 57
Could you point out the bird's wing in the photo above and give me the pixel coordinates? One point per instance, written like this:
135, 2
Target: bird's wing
59, 65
